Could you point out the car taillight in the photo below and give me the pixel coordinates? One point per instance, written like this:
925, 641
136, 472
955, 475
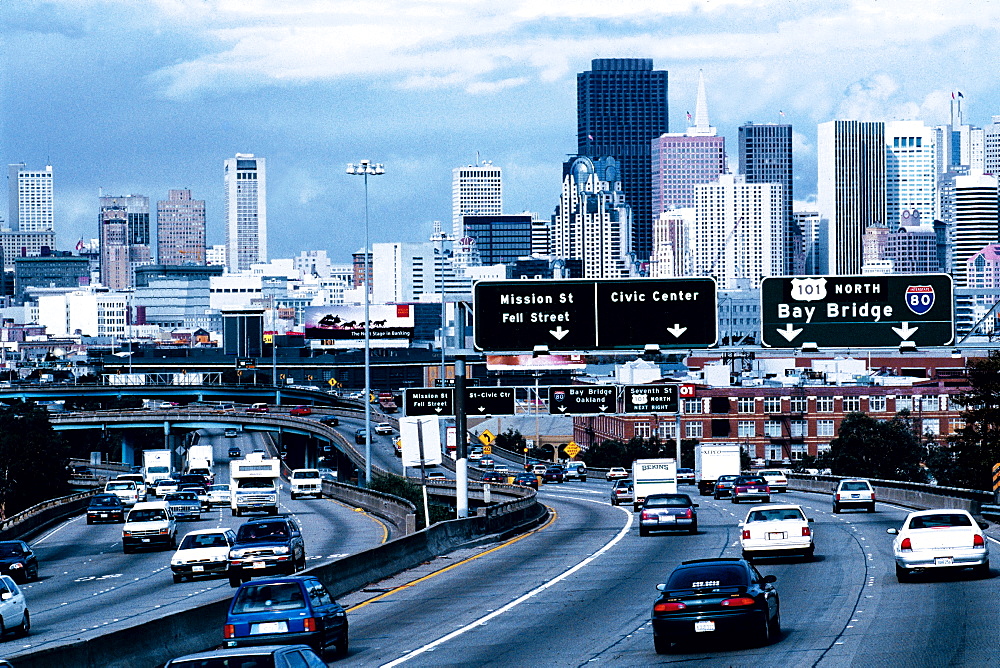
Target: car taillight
669, 606
806, 531
978, 541
905, 544
746, 534
738, 601
309, 624
229, 631
688, 514
836, 497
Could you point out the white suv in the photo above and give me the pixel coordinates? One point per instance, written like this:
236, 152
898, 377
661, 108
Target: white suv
854, 494
306, 482
149, 524
126, 490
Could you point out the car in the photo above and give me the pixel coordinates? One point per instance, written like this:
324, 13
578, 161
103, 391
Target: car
946, 538
854, 493
538, 469
501, 468
621, 492
301, 411
185, 505
258, 408
296, 609
18, 560
305, 482
202, 552
724, 487
219, 495
436, 475
140, 483
327, 473
149, 524
714, 599
685, 476
486, 462
493, 476
776, 480
750, 487
231, 433
13, 608
361, 436
201, 491
616, 473
193, 476
554, 473
105, 508
331, 420
226, 408
126, 490
526, 480
383, 428
266, 546
661, 512
235, 452
777, 530
476, 455
576, 471
164, 486
167, 405
271, 656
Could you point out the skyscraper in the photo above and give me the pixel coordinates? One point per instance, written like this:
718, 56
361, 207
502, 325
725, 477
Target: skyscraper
976, 221
246, 211
621, 108
135, 209
851, 188
765, 156
30, 199
115, 270
476, 190
991, 147
911, 171
500, 239
180, 229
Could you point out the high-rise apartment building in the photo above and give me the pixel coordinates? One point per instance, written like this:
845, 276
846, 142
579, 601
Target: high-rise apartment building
765, 156
976, 221
180, 229
621, 108
246, 211
672, 243
30, 199
911, 171
851, 158
593, 219
476, 190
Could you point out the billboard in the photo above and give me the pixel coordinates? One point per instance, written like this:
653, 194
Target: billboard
540, 362
414, 429
386, 321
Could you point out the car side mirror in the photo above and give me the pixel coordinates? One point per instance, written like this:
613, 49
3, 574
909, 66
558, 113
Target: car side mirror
6, 596
741, 524
661, 587
810, 520
694, 505
982, 524
892, 530
768, 579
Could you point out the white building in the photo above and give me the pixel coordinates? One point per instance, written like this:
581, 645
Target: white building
911, 171
991, 147
814, 240
30, 199
314, 263
976, 214
246, 211
235, 291
403, 272
83, 313
738, 232
476, 190
672, 243
216, 255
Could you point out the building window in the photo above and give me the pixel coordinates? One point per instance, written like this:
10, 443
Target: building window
772, 428
799, 404
822, 447
692, 407
931, 426
774, 452
904, 404
954, 424
953, 404
799, 428
876, 404
930, 402
667, 430
692, 429
799, 450
641, 429
772, 404
824, 404
746, 429
746, 404
824, 428
852, 404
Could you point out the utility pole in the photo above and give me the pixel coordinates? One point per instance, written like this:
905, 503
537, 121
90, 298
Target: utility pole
461, 454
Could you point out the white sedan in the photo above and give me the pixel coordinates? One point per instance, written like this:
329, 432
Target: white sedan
616, 473
948, 538
204, 552
776, 480
219, 495
776, 530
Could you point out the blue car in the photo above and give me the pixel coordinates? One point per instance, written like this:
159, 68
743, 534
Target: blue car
290, 610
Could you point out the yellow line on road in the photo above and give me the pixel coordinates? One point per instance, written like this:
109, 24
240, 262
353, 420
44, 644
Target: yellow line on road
457, 564
385, 529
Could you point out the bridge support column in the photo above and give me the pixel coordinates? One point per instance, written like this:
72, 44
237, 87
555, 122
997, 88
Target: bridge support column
166, 434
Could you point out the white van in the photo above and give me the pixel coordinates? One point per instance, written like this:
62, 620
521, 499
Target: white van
576, 471
306, 482
126, 490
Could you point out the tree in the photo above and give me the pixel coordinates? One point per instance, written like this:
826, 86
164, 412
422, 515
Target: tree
512, 441
33, 459
976, 445
888, 449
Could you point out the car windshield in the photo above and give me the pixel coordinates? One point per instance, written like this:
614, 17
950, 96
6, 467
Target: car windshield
260, 531
10, 550
237, 661
855, 487
679, 501
255, 483
182, 496
165, 483
938, 520
776, 474
267, 597
305, 474
727, 478
193, 541
146, 515
775, 514
105, 501
722, 575
218, 488
121, 485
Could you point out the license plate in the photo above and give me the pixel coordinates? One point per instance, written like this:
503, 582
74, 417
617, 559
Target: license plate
269, 627
197, 569
943, 561
145, 540
104, 514
258, 564
701, 627
855, 496
776, 535
667, 519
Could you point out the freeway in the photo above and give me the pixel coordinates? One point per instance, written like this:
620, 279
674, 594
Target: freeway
87, 585
579, 591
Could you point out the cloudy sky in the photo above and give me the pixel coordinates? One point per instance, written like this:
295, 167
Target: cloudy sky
140, 96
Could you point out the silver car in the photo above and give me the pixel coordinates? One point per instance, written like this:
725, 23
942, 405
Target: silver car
940, 538
621, 492
668, 512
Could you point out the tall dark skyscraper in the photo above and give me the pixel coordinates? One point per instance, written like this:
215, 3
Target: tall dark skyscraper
766, 157
621, 106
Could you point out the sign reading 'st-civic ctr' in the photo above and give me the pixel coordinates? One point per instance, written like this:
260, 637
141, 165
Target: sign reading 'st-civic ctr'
857, 311
586, 314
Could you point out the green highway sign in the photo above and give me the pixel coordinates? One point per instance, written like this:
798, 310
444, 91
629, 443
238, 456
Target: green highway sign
857, 311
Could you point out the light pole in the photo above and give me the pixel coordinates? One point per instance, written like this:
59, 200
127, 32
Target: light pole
367, 168
439, 247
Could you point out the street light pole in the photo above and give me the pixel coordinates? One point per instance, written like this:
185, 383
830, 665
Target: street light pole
367, 168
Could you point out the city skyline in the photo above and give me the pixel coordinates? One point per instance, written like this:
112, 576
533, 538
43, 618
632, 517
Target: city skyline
202, 82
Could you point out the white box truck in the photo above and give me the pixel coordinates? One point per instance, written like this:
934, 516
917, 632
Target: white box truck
155, 466
712, 460
652, 476
254, 484
199, 457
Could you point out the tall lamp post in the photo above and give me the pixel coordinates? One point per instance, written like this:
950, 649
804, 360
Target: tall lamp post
367, 168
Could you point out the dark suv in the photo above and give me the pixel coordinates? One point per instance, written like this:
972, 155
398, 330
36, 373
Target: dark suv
266, 546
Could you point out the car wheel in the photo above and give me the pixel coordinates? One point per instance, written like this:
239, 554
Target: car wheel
694, 528
871, 508
747, 556
197, 518
763, 632
341, 648
661, 644
614, 502
982, 570
643, 532
902, 574
733, 499
126, 549
836, 509
234, 581
716, 497
25, 627
34, 573
776, 623
178, 578
810, 554
235, 512
292, 494
767, 499
90, 521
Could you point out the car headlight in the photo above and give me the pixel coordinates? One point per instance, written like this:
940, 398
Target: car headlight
176, 562
218, 557
236, 554
16, 564
281, 550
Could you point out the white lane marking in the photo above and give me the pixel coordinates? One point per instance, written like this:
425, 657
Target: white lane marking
58, 528
521, 599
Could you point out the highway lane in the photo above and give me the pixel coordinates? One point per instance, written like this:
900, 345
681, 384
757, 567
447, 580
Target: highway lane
88, 585
508, 607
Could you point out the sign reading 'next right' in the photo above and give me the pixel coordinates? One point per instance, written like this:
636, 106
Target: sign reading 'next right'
857, 311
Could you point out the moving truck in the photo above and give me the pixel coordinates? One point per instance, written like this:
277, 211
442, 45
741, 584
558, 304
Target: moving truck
199, 457
254, 484
652, 476
712, 460
155, 466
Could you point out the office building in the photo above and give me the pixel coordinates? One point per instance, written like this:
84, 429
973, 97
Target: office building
58, 271
982, 273
911, 171
135, 209
500, 239
765, 156
180, 229
912, 247
476, 190
17, 244
246, 211
672, 243
991, 148
976, 221
593, 220
30, 199
621, 108
851, 158
115, 271
814, 241
174, 296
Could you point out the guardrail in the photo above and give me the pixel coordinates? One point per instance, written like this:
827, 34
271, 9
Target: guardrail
914, 495
399, 512
38, 517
